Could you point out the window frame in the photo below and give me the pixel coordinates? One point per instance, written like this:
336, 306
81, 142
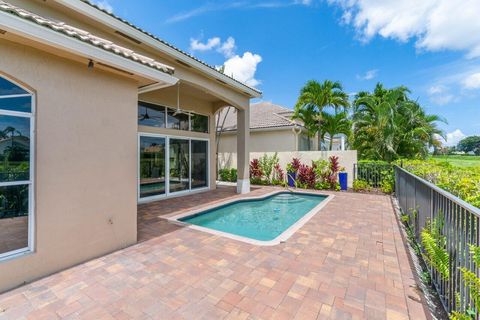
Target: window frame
167, 193
30, 248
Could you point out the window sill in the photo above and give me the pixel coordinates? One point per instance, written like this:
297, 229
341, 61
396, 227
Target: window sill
12, 255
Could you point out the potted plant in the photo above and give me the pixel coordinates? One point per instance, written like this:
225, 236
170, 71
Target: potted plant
292, 169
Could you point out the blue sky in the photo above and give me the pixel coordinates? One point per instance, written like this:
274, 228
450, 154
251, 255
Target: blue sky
431, 46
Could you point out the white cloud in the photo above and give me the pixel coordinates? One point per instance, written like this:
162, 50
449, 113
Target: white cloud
453, 138
196, 45
104, 4
216, 6
369, 75
228, 48
472, 81
440, 95
243, 68
304, 2
434, 24
436, 89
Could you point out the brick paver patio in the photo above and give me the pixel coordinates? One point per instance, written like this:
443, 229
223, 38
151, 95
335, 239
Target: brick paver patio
347, 262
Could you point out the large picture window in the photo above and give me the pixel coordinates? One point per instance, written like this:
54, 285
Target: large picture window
199, 123
177, 120
16, 178
152, 115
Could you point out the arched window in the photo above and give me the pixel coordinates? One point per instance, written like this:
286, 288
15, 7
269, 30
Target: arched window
16, 168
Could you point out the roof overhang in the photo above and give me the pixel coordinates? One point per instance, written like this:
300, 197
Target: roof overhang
116, 24
32, 31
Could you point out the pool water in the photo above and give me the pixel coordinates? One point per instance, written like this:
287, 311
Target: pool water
259, 219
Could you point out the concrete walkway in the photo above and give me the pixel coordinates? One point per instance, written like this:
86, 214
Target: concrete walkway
347, 262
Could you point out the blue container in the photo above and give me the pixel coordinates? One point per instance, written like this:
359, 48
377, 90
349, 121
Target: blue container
343, 177
291, 179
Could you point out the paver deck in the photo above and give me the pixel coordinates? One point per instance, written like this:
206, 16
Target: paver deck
347, 262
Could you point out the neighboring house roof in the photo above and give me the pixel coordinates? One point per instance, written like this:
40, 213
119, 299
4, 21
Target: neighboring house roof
84, 36
262, 115
220, 74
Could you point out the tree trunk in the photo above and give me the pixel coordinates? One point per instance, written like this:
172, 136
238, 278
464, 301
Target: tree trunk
319, 135
331, 142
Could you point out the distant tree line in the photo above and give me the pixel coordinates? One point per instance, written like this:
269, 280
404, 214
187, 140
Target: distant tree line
469, 145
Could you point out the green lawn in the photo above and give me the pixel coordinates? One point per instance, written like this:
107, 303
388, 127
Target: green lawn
461, 161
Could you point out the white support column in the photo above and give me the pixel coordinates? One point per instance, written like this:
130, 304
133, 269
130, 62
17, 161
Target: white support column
243, 151
213, 165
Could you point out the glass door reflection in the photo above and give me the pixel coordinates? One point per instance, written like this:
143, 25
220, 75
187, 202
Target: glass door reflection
179, 165
199, 164
152, 166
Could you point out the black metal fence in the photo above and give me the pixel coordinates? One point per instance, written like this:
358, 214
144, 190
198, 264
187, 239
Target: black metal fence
424, 202
371, 172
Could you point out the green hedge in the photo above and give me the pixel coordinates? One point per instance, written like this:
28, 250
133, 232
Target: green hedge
464, 182
228, 174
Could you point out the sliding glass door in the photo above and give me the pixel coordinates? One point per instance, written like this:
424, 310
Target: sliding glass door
179, 165
152, 166
199, 164
169, 165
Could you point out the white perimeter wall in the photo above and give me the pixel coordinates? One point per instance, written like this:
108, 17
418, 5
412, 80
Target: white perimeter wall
347, 159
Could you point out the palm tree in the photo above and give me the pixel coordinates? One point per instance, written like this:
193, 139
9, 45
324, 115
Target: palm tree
420, 131
334, 124
314, 98
374, 122
308, 116
11, 130
388, 125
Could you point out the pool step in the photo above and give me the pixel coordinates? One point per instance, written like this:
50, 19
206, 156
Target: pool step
287, 199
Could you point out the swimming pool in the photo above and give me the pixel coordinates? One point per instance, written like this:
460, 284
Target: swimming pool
264, 220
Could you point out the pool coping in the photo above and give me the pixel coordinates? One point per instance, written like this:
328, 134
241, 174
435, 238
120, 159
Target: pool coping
284, 236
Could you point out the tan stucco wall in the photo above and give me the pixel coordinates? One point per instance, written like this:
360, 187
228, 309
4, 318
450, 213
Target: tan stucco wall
86, 162
260, 141
347, 159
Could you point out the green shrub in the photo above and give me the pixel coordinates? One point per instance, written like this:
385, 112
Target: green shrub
233, 175
361, 185
227, 174
379, 174
322, 185
434, 247
387, 184
267, 164
463, 182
